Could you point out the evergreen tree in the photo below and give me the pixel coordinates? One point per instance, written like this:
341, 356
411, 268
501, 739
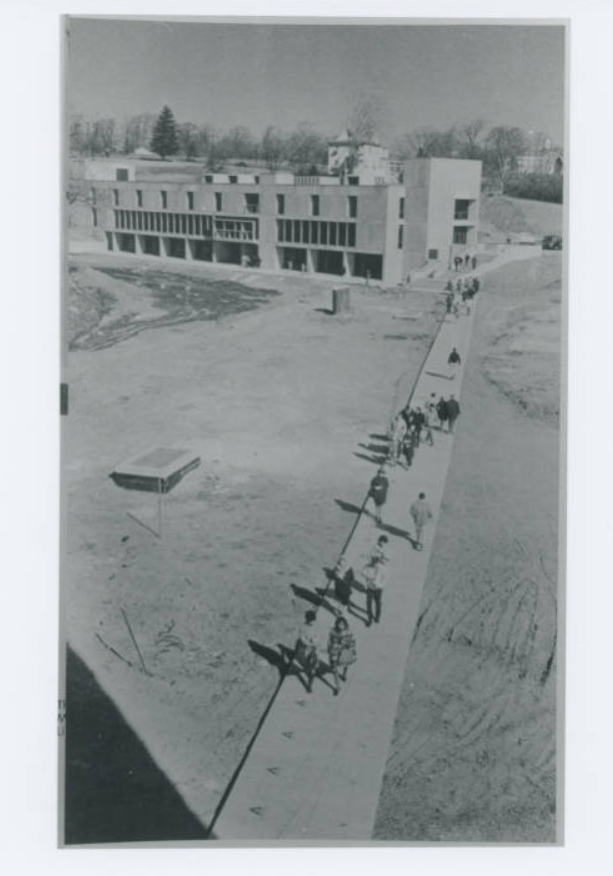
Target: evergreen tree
164, 140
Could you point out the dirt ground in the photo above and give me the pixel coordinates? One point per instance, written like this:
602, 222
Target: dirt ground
473, 756
279, 402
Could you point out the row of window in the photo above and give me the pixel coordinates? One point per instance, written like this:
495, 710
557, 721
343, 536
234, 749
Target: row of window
235, 229
197, 225
288, 230
251, 202
352, 205
310, 232
164, 223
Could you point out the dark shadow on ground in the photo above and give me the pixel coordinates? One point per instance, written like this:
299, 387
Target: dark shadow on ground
348, 506
114, 790
401, 533
327, 310
282, 659
376, 448
378, 437
358, 612
315, 597
376, 460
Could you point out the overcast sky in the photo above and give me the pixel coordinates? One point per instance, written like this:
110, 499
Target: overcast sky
256, 75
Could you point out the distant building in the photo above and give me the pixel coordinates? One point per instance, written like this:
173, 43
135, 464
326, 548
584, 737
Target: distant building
367, 159
546, 162
118, 169
348, 225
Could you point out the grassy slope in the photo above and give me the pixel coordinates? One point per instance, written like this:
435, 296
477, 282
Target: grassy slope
502, 214
473, 752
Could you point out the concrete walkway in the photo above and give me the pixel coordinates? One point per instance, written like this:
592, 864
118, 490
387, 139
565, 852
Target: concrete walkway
316, 766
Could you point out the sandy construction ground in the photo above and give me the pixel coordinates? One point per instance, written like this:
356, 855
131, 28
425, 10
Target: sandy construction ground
279, 402
474, 750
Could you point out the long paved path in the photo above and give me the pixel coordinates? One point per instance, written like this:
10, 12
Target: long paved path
316, 766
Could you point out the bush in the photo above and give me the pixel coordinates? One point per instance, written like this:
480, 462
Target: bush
535, 186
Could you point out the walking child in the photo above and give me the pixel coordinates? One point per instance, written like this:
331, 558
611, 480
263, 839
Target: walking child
306, 648
341, 651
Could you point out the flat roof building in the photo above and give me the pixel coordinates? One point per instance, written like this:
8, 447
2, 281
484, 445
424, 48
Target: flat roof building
348, 227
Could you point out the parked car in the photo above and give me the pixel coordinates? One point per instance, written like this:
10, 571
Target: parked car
552, 241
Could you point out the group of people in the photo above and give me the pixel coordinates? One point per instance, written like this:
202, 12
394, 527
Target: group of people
465, 261
408, 429
341, 644
460, 294
411, 427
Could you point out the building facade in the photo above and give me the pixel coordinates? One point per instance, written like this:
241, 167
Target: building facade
281, 222
549, 162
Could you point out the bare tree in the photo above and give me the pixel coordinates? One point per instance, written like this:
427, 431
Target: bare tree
426, 143
238, 142
306, 147
505, 144
139, 131
367, 117
469, 135
272, 147
188, 135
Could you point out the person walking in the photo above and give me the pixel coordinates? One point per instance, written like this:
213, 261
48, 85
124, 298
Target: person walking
442, 412
475, 285
427, 414
343, 582
453, 411
474, 262
397, 433
306, 648
454, 357
408, 449
341, 651
375, 577
421, 512
419, 419
379, 486
379, 552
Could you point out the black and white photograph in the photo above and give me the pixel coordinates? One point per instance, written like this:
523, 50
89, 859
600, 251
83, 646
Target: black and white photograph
313, 411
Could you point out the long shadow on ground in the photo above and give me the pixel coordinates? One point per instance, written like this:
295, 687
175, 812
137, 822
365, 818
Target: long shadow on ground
114, 790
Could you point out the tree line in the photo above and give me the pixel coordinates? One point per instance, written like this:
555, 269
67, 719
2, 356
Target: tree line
305, 148
161, 134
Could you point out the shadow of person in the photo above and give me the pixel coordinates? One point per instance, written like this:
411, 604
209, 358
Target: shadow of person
376, 460
348, 506
379, 449
358, 612
315, 597
400, 533
275, 658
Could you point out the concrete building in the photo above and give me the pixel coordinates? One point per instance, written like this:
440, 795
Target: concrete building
547, 162
281, 222
367, 159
